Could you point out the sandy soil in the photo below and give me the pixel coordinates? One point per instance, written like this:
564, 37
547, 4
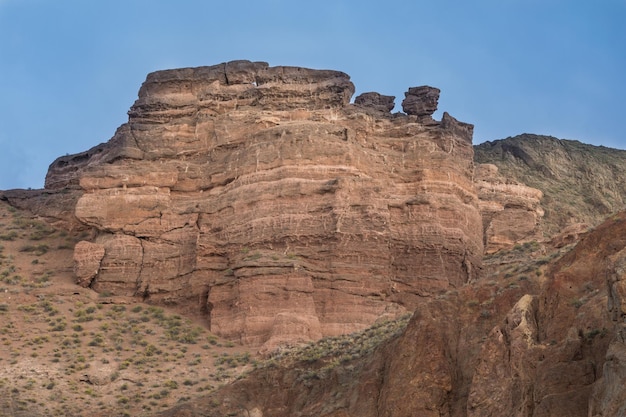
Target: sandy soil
68, 351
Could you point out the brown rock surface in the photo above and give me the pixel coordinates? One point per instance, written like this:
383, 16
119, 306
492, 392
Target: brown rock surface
549, 353
87, 260
609, 393
375, 101
580, 183
545, 357
261, 197
421, 102
511, 211
57, 208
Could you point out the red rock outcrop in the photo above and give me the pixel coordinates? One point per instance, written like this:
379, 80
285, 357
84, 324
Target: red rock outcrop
559, 352
551, 355
262, 197
510, 211
608, 397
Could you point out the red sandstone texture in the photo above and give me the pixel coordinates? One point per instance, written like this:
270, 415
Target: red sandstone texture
511, 211
260, 196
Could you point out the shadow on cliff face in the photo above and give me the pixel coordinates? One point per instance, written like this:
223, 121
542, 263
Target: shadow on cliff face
541, 352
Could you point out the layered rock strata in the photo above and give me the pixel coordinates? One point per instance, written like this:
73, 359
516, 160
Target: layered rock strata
511, 211
262, 197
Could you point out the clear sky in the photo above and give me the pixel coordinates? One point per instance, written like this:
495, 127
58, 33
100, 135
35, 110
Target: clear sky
70, 69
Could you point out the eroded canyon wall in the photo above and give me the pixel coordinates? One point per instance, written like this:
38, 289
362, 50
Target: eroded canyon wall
262, 197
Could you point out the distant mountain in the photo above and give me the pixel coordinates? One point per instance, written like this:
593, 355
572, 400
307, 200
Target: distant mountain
581, 183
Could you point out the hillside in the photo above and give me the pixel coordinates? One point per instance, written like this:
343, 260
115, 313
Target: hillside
580, 183
67, 349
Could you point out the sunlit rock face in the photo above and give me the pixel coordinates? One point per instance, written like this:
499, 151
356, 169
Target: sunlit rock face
511, 211
262, 198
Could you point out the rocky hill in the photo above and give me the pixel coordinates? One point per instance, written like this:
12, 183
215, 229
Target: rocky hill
581, 184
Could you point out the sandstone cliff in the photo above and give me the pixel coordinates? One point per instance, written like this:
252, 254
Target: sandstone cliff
511, 211
261, 197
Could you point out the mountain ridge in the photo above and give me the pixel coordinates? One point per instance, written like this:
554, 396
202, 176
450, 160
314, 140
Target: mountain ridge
581, 183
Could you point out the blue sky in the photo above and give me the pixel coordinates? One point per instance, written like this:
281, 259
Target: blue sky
70, 69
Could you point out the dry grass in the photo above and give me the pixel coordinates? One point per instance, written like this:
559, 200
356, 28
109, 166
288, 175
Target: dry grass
317, 359
65, 352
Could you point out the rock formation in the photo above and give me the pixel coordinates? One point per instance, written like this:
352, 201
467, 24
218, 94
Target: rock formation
421, 102
375, 101
510, 211
262, 197
580, 183
609, 395
554, 353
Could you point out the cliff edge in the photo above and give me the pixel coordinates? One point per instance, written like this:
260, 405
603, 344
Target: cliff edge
261, 198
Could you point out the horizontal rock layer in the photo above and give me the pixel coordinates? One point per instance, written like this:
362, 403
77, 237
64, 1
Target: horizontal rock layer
511, 211
261, 197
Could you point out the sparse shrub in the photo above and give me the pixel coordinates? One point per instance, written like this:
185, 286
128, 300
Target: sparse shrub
97, 340
36, 250
592, 334
118, 308
58, 326
9, 236
170, 384
40, 233
152, 350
